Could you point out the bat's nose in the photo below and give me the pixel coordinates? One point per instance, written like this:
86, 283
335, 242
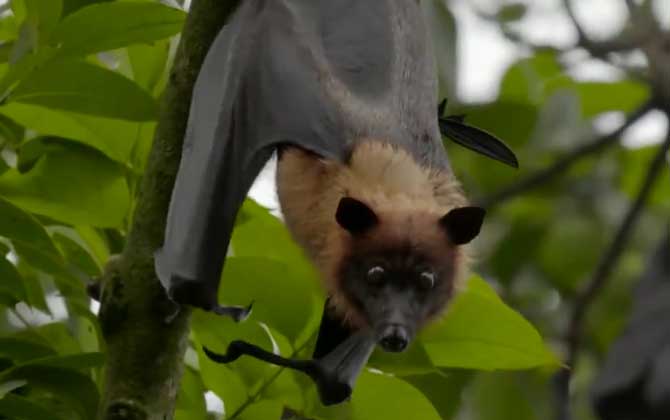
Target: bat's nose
394, 338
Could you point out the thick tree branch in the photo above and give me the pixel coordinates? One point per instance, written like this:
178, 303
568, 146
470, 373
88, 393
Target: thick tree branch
600, 278
144, 354
545, 175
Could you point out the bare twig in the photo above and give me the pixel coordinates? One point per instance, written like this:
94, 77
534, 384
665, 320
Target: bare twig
563, 164
601, 276
600, 49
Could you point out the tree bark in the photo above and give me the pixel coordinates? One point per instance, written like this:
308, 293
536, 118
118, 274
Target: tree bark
144, 354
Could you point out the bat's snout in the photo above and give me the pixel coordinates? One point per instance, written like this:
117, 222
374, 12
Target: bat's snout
395, 338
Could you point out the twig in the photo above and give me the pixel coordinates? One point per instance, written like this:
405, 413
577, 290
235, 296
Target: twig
601, 276
600, 49
563, 164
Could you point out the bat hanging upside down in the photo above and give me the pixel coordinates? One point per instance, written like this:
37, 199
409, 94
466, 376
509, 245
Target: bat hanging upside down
345, 92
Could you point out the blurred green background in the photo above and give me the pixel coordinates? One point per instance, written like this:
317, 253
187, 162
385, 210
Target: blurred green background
80, 84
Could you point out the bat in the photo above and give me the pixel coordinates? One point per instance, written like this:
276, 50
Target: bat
344, 92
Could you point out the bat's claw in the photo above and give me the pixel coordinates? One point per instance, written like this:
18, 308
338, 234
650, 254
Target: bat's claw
238, 313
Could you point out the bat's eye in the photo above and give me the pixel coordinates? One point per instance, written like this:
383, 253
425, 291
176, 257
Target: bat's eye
376, 274
426, 280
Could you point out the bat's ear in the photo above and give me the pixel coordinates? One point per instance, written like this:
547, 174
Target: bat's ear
355, 216
463, 224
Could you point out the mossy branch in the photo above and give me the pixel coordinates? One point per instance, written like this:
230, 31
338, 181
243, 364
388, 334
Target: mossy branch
144, 354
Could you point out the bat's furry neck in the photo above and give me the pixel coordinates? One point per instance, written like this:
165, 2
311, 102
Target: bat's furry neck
390, 179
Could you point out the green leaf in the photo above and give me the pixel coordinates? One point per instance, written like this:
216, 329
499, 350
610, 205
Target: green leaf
378, 396
19, 226
512, 12
107, 26
7, 387
480, 332
85, 88
263, 410
11, 284
72, 387
78, 361
499, 396
443, 389
148, 63
115, 138
76, 186
191, 396
20, 349
21, 408
55, 335
596, 97
412, 361
246, 280
75, 251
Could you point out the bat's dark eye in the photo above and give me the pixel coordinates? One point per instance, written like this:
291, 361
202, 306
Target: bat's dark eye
376, 275
426, 280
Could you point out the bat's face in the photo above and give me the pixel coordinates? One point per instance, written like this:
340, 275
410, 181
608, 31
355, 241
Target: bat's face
398, 276
395, 292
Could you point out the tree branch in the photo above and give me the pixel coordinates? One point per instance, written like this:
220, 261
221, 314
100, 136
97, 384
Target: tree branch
563, 164
600, 278
600, 49
144, 355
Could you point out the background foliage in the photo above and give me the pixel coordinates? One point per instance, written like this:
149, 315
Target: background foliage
80, 82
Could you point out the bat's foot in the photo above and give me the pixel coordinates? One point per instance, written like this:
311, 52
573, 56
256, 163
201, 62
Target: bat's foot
238, 313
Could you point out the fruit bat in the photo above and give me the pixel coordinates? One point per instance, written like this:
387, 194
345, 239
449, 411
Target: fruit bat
345, 92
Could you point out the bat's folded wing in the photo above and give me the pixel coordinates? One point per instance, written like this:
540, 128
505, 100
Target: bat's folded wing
258, 88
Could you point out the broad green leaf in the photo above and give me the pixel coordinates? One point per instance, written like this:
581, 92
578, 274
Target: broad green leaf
480, 332
512, 12
443, 389
634, 165
115, 138
19, 226
379, 396
72, 387
78, 86
9, 386
71, 6
20, 349
191, 396
54, 335
75, 251
412, 361
78, 361
249, 279
12, 290
43, 15
96, 243
526, 80
10, 132
107, 26
263, 410
499, 396
148, 63
596, 97
21, 408
76, 186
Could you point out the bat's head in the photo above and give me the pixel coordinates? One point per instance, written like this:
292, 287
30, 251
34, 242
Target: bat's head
400, 268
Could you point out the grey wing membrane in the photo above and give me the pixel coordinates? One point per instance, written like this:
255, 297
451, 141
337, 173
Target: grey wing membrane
256, 89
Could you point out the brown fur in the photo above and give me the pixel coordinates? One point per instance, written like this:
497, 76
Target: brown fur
408, 199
